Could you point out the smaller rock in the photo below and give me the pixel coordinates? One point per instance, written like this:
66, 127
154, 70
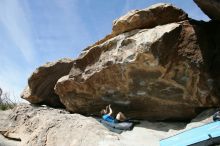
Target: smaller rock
158, 14
41, 84
210, 7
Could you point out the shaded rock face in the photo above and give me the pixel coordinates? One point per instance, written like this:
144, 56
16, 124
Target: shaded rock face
41, 83
158, 14
167, 72
43, 126
210, 8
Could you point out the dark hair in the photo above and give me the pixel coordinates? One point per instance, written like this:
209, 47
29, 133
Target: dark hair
103, 111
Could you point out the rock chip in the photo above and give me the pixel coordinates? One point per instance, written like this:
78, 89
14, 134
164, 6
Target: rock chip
41, 83
166, 72
158, 14
210, 7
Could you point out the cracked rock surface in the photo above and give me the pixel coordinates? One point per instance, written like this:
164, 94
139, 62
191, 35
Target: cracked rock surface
166, 72
40, 126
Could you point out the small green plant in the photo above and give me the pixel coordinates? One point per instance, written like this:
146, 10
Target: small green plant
5, 101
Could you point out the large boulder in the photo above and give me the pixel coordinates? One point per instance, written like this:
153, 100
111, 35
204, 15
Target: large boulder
166, 72
158, 14
41, 83
210, 8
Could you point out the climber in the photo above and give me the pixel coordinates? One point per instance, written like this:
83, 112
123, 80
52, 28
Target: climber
107, 115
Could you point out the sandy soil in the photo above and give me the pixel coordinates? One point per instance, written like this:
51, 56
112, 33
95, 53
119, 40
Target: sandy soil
151, 133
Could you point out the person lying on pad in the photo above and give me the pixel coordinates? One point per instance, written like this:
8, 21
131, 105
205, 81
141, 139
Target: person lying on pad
107, 115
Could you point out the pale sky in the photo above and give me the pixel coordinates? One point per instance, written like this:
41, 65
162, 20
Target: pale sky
33, 32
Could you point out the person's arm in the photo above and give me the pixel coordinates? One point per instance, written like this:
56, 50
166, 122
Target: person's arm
106, 109
110, 110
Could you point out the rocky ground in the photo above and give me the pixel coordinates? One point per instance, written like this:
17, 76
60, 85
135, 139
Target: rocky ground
31, 125
3, 140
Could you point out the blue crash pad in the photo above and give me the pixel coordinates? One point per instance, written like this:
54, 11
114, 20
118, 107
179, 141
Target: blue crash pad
192, 136
120, 126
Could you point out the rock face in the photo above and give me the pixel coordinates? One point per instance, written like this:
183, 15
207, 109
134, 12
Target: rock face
155, 65
166, 72
210, 8
155, 15
41, 84
43, 126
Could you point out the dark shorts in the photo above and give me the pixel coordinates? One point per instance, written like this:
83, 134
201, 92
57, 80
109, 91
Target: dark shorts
116, 121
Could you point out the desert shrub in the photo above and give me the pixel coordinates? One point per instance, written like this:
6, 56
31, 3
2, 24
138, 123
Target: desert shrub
5, 101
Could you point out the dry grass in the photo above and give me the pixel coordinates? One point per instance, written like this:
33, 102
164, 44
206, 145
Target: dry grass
5, 101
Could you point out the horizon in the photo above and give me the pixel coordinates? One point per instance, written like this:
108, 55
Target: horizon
36, 32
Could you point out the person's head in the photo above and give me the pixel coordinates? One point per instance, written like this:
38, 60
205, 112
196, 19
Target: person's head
103, 112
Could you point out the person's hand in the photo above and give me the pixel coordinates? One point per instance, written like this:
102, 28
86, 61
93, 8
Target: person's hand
109, 105
106, 108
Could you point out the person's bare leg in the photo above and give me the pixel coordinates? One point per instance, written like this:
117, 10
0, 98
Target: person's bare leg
121, 117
